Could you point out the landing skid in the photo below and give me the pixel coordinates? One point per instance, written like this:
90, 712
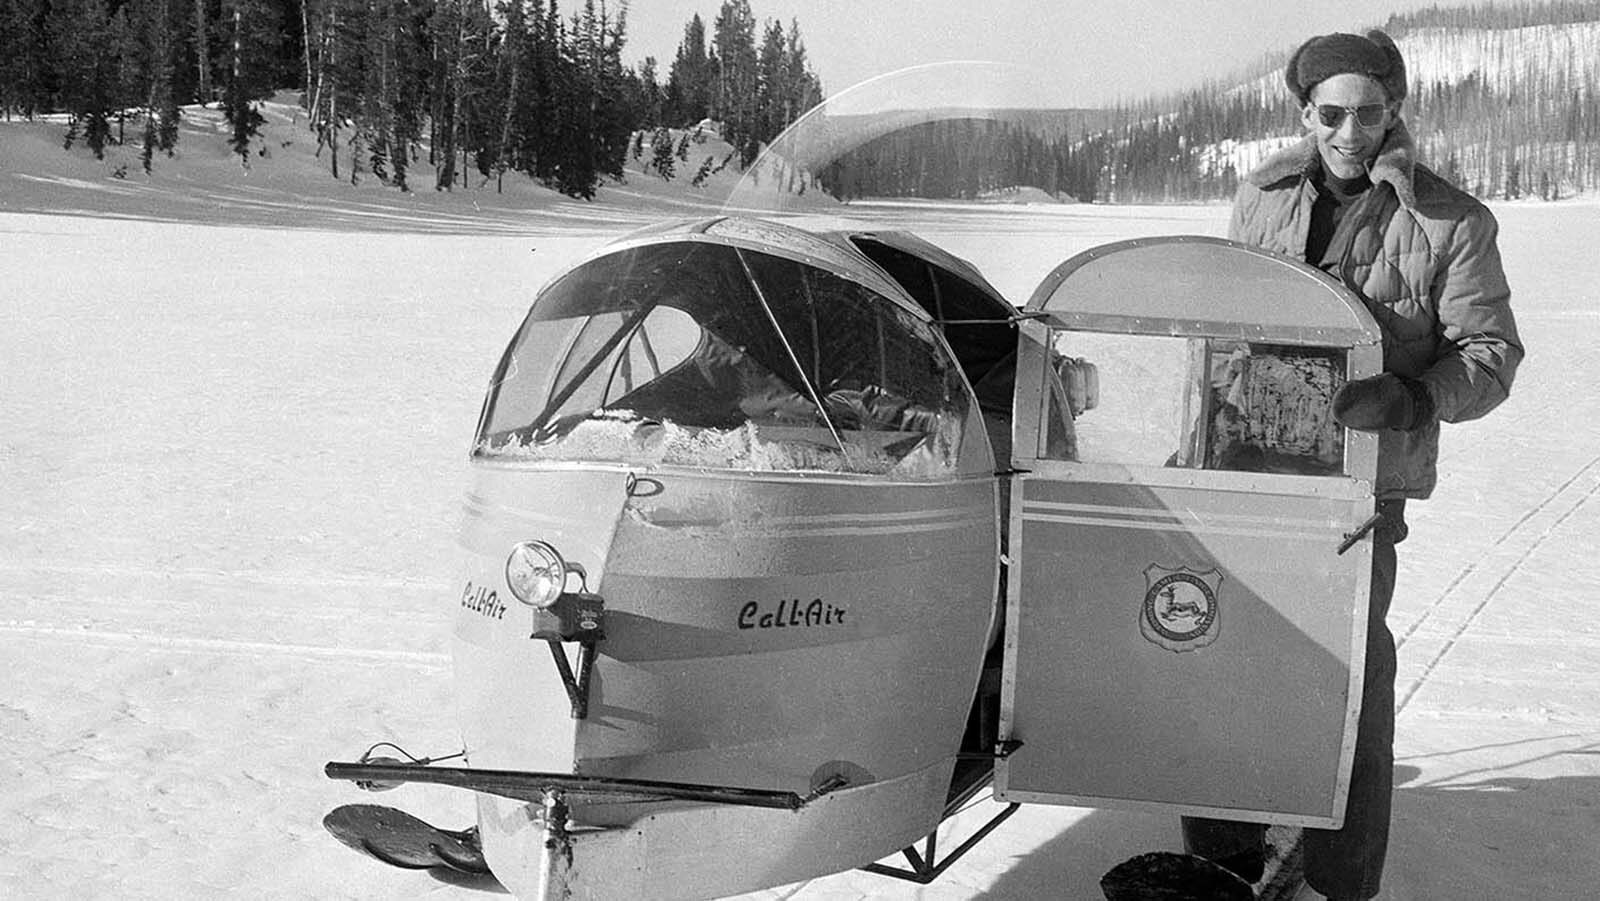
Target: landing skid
401, 840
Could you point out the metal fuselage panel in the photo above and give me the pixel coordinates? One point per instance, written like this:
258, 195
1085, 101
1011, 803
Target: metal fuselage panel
771, 632
1183, 648
512, 708
760, 631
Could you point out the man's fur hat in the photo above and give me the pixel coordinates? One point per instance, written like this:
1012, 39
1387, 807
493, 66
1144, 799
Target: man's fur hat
1324, 56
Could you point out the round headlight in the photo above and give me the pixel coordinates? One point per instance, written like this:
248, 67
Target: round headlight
536, 573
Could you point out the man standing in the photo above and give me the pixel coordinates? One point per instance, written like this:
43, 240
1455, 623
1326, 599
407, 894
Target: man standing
1351, 199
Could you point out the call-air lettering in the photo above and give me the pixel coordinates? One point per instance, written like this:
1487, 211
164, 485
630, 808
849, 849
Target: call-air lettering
790, 613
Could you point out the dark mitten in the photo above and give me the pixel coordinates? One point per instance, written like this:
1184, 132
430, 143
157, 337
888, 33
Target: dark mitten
1385, 401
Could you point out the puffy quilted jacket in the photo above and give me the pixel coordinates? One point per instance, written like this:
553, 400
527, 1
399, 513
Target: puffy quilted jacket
1423, 257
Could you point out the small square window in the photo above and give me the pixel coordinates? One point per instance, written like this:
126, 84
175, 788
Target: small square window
1212, 404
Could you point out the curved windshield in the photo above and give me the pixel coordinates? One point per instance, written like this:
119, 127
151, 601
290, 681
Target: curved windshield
702, 354
962, 147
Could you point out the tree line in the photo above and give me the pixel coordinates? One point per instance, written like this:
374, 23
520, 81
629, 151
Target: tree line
475, 89
1530, 128
1151, 151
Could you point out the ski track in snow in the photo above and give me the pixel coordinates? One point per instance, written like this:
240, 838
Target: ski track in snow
1505, 557
233, 457
433, 663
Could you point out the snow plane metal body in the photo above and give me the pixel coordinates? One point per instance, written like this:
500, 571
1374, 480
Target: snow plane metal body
781, 544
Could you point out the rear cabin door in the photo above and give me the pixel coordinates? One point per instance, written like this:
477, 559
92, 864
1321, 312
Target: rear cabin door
1186, 615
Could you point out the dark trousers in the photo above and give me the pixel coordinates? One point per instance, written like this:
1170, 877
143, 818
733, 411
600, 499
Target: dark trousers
1347, 862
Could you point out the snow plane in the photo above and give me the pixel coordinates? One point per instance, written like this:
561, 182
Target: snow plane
783, 543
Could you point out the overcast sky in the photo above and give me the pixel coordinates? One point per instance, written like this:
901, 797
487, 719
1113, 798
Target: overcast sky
1089, 52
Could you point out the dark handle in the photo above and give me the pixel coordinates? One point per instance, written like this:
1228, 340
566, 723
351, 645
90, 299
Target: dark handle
1350, 538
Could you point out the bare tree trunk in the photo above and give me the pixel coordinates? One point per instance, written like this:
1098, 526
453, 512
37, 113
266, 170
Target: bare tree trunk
202, 50
307, 99
314, 95
158, 79
505, 127
458, 92
331, 131
435, 117
384, 127
445, 180
236, 68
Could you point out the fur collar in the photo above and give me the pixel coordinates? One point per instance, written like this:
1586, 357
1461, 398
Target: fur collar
1395, 164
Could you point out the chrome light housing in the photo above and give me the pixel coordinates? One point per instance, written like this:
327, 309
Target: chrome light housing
536, 573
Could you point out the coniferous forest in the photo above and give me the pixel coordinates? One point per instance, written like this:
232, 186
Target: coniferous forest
1503, 98
464, 86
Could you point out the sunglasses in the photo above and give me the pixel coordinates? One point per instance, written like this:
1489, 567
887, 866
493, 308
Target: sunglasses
1369, 116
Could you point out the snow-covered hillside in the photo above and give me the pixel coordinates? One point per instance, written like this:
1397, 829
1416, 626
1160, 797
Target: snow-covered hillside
286, 180
1508, 59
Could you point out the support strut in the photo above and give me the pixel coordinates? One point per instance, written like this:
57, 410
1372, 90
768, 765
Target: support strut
973, 772
525, 785
577, 686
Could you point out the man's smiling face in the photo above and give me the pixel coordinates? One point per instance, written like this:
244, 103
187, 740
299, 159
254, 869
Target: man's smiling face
1347, 145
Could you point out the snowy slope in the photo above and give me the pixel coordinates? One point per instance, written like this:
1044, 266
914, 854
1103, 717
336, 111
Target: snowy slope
287, 181
1504, 58
1507, 59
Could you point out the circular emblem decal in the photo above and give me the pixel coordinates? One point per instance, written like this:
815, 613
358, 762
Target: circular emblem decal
1180, 607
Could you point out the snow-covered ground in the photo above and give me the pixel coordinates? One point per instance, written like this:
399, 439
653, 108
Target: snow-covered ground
232, 450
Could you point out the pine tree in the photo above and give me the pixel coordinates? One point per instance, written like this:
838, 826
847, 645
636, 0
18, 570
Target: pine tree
689, 79
594, 109
466, 119
27, 70
803, 90
155, 61
448, 35
733, 36
409, 84
250, 28
334, 59
202, 50
510, 61
648, 98
772, 84
531, 148
703, 172
78, 32
661, 157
